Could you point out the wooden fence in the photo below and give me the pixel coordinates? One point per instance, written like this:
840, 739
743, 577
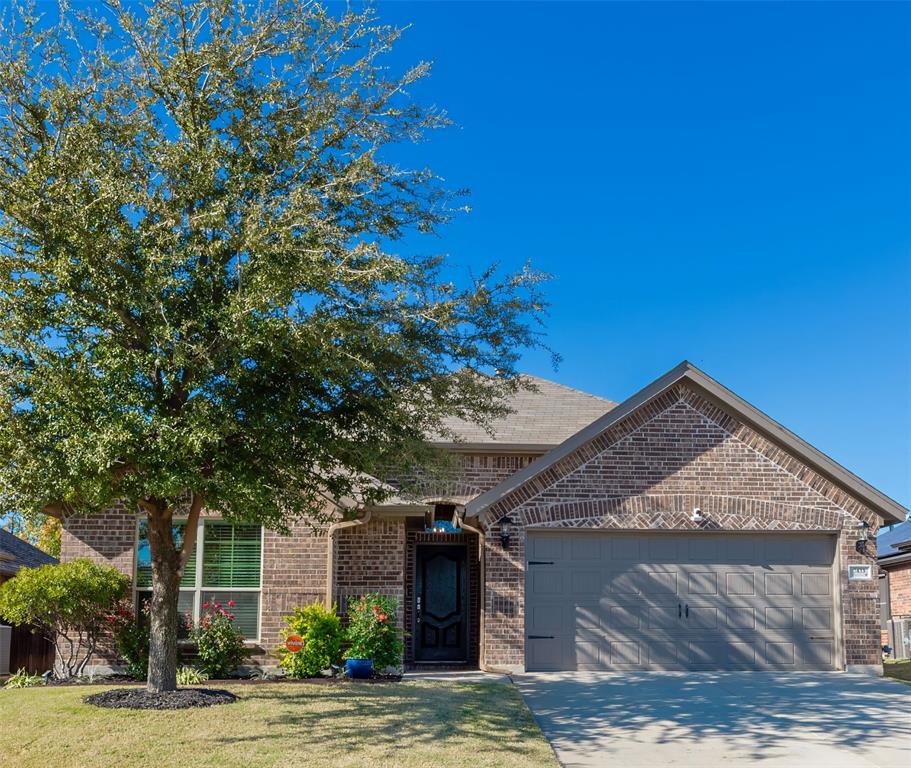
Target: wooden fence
30, 651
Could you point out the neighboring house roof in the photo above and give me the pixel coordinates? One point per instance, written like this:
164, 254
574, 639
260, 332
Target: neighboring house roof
887, 508
16, 553
540, 418
894, 546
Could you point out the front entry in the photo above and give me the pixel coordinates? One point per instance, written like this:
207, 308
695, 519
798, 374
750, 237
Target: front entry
441, 603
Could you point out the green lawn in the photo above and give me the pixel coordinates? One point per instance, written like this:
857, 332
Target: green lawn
900, 670
406, 724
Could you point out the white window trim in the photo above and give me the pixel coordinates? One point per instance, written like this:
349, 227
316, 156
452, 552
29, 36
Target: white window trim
199, 588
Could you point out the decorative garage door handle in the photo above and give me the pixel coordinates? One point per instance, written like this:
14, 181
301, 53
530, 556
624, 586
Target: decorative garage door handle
687, 610
540, 562
540, 637
679, 610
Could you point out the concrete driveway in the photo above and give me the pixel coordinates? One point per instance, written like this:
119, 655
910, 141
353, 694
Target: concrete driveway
706, 719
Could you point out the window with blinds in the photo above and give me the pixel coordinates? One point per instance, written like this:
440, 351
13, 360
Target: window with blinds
226, 564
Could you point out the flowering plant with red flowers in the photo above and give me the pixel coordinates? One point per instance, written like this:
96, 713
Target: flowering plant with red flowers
219, 643
373, 631
130, 635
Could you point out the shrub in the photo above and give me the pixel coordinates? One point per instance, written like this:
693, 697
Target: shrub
22, 679
70, 603
219, 643
373, 632
190, 676
131, 639
320, 629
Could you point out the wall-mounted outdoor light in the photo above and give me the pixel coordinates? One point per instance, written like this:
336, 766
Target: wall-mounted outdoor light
863, 536
697, 516
506, 531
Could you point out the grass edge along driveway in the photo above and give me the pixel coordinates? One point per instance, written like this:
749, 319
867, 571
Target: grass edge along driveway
408, 724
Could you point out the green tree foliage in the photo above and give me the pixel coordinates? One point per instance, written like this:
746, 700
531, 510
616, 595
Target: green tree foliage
39, 530
320, 630
70, 603
204, 302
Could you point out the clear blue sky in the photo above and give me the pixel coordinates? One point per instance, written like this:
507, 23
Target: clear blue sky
723, 182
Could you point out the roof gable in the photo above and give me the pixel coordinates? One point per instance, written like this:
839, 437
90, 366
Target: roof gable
579, 448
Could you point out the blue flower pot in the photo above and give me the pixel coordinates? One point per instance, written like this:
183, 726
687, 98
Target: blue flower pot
359, 669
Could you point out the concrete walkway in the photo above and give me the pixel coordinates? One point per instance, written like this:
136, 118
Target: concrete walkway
706, 719
460, 676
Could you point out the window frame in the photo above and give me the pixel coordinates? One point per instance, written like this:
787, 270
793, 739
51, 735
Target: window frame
198, 589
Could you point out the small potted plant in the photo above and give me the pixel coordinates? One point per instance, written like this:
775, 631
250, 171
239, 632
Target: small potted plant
373, 636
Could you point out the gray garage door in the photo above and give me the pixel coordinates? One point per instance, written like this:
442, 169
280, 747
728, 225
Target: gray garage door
665, 601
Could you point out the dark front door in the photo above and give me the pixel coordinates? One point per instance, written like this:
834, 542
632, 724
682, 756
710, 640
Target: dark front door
441, 603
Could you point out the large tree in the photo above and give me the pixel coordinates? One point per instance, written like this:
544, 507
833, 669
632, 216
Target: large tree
205, 300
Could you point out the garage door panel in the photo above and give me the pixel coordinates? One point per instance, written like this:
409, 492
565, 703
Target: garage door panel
626, 654
626, 548
545, 619
664, 549
586, 548
667, 601
546, 547
815, 584
622, 618
590, 655
818, 654
547, 583
700, 617
819, 618
586, 583
702, 583
545, 654
665, 656
664, 618
738, 583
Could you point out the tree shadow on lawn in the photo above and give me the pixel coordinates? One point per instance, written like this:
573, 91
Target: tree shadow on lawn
485, 716
758, 711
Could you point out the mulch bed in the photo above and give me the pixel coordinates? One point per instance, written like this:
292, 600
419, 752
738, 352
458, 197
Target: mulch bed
140, 698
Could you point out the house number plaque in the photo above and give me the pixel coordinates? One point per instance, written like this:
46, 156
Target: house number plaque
860, 572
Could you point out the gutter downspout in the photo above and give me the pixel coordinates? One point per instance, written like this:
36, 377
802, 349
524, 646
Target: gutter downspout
330, 551
482, 602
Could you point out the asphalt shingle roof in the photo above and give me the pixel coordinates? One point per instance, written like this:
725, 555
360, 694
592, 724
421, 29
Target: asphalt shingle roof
20, 554
547, 416
887, 541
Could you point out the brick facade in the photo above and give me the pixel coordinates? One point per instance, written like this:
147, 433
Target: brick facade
371, 558
900, 591
648, 471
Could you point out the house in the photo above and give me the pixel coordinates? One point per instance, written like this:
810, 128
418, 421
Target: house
19, 646
893, 549
679, 529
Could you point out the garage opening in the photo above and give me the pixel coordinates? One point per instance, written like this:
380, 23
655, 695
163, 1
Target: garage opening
679, 601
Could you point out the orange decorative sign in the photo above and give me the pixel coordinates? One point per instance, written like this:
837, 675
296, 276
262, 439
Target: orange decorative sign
294, 643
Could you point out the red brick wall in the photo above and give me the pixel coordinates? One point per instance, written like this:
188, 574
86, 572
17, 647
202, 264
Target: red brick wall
469, 475
648, 472
371, 558
107, 538
294, 573
900, 590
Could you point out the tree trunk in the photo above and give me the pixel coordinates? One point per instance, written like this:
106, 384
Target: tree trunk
163, 611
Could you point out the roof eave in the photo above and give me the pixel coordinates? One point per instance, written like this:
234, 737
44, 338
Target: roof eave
494, 447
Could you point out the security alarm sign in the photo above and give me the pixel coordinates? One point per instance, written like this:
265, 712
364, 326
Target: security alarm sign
294, 643
860, 573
